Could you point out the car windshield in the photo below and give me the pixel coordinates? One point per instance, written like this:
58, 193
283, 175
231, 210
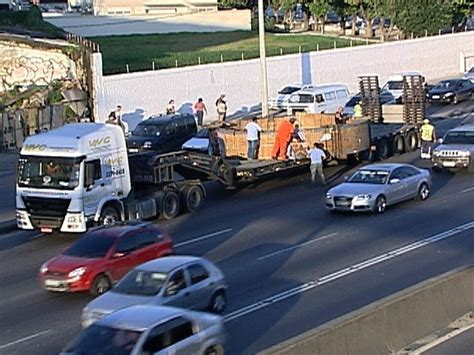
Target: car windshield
288, 90
90, 246
141, 283
459, 137
352, 102
148, 130
102, 340
393, 85
48, 172
446, 85
377, 177
203, 133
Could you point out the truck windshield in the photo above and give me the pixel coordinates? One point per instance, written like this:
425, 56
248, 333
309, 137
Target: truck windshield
459, 137
148, 130
48, 172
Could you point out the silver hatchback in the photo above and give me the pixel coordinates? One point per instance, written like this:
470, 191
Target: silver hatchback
374, 187
179, 281
146, 330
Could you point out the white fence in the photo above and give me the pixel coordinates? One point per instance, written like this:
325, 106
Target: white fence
145, 93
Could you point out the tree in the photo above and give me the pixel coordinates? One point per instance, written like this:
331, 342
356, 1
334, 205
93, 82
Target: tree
319, 9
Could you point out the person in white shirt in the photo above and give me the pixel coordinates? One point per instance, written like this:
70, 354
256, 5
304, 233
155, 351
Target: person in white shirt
253, 138
317, 157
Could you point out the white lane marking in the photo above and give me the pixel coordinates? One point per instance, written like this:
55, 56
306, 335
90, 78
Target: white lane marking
25, 339
442, 339
347, 271
296, 246
468, 189
204, 237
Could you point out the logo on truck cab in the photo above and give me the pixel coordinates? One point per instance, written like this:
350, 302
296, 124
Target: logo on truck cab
35, 147
99, 142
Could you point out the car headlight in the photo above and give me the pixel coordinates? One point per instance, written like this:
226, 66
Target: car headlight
427, 95
44, 268
147, 145
77, 273
465, 153
437, 153
328, 196
363, 197
448, 94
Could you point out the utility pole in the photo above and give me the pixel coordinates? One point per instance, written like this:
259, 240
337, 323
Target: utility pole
263, 60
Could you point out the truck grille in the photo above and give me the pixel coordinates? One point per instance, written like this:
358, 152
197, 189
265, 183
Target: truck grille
45, 206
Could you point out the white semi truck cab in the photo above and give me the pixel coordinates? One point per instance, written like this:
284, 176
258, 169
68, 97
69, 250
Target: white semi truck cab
79, 175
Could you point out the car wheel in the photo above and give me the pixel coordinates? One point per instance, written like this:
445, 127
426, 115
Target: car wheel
380, 205
214, 350
423, 192
109, 215
218, 302
101, 285
455, 100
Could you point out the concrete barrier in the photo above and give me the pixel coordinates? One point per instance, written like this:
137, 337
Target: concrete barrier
391, 323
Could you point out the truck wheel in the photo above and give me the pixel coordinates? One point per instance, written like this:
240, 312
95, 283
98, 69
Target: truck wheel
383, 151
170, 205
192, 197
109, 215
411, 143
398, 144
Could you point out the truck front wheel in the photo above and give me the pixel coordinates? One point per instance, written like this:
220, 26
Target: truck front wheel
109, 215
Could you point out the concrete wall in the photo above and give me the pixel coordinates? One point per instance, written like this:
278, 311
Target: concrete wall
392, 323
147, 93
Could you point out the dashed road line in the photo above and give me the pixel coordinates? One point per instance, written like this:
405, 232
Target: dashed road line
347, 271
204, 237
4, 346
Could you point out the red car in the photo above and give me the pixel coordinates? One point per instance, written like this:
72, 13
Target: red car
101, 257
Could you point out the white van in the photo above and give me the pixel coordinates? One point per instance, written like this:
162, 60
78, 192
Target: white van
394, 85
319, 99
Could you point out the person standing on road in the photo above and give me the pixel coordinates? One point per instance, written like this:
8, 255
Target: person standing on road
253, 138
170, 108
221, 106
358, 110
282, 139
317, 157
428, 137
200, 108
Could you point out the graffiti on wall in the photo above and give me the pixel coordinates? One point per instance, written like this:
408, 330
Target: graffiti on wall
24, 67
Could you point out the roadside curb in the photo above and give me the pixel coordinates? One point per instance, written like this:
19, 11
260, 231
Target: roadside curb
8, 226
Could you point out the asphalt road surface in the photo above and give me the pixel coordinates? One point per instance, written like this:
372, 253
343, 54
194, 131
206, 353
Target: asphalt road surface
290, 264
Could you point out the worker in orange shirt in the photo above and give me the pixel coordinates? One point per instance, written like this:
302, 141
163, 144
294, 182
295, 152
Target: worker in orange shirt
283, 138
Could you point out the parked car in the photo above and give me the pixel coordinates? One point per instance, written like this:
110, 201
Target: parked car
469, 75
376, 186
146, 330
180, 281
451, 91
162, 134
318, 99
385, 97
394, 85
103, 256
284, 94
201, 143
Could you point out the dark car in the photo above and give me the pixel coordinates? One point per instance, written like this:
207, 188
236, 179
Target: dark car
451, 91
162, 134
103, 256
385, 98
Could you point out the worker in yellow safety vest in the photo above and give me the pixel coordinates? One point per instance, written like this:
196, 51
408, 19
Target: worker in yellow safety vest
428, 137
358, 110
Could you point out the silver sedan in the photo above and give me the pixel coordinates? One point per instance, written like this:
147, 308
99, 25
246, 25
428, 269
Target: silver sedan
376, 186
179, 281
145, 329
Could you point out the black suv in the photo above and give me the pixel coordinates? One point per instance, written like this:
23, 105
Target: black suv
162, 134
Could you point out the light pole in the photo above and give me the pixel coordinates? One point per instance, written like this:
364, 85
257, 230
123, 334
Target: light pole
263, 60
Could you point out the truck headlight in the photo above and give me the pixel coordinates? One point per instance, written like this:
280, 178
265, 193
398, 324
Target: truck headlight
147, 145
77, 273
363, 197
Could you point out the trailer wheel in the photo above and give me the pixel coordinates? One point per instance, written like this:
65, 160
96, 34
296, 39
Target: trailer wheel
398, 144
411, 143
191, 198
383, 151
170, 205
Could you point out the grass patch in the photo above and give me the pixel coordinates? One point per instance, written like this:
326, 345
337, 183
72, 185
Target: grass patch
140, 51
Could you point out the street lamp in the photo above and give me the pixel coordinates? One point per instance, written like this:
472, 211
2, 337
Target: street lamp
263, 60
